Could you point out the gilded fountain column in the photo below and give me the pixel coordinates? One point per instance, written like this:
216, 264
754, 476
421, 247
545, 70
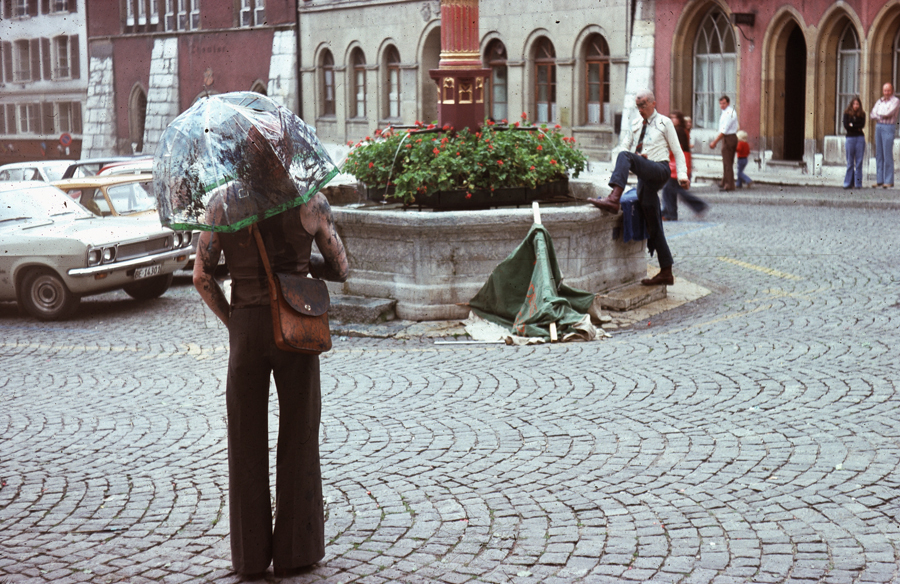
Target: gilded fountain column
462, 81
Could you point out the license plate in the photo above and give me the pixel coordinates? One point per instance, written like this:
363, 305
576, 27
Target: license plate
146, 272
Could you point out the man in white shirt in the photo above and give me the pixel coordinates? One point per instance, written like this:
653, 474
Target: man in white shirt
884, 112
645, 152
728, 127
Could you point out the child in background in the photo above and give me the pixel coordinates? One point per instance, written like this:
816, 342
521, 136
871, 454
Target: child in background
743, 152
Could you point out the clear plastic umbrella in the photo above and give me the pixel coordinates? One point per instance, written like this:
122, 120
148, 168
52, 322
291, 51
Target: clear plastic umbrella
233, 159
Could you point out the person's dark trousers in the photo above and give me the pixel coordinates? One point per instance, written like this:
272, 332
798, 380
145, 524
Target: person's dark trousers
729, 147
671, 192
299, 534
651, 177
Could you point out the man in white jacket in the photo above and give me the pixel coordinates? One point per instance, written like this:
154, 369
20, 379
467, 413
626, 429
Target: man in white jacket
645, 152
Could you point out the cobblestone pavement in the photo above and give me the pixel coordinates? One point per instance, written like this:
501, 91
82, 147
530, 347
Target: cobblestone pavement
750, 436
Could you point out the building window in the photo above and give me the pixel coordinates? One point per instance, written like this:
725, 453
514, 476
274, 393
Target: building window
715, 72
182, 15
328, 105
597, 80
253, 12
358, 61
59, 5
20, 8
498, 101
61, 57
545, 81
848, 74
22, 58
29, 118
392, 67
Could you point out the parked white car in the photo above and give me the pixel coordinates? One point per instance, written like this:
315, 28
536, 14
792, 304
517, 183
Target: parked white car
53, 251
43, 170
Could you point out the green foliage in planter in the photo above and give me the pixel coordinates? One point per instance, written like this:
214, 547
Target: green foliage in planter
426, 160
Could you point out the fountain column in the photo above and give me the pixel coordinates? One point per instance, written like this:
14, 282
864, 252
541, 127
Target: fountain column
462, 81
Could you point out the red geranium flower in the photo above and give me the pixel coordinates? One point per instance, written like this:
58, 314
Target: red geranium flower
540, 147
532, 168
557, 126
500, 162
524, 116
552, 161
436, 151
468, 195
371, 164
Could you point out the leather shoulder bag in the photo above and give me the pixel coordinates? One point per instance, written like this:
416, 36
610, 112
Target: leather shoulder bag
299, 308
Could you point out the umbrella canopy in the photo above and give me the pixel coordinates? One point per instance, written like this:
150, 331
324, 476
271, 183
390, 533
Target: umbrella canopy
234, 159
525, 292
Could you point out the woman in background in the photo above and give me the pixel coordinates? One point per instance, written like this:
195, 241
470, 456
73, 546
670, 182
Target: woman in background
855, 144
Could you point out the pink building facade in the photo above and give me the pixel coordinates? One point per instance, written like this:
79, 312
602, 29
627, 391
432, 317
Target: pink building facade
790, 69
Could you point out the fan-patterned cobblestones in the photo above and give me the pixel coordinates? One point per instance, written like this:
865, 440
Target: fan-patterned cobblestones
750, 436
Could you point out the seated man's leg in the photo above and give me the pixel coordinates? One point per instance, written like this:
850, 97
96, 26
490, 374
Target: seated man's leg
652, 176
625, 163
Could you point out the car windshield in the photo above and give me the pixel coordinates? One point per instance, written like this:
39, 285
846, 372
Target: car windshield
38, 203
55, 172
130, 198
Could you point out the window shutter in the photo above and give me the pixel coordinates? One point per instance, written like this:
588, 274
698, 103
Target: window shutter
35, 50
11, 127
72, 5
45, 6
7, 9
76, 117
7, 62
32, 7
48, 122
46, 58
74, 58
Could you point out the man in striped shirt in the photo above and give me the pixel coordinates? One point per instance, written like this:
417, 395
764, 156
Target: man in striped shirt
645, 152
884, 112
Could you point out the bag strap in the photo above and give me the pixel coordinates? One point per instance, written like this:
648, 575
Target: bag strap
270, 278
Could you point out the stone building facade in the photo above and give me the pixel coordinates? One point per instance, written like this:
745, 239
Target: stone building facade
150, 59
789, 68
43, 79
365, 64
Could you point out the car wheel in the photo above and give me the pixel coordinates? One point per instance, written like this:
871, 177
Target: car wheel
45, 296
150, 288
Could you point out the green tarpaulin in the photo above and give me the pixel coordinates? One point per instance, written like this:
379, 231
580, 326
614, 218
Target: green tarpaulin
525, 292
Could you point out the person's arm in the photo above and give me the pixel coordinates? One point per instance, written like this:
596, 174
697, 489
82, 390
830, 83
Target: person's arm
208, 252
332, 265
872, 114
894, 105
848, 122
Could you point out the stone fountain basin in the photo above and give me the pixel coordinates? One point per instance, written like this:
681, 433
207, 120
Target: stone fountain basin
432, 262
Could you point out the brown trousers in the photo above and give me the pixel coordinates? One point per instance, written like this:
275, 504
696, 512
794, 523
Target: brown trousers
299, 534
729, 147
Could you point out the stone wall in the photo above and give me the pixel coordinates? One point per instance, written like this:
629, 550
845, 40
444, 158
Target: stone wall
99, 138
162, 95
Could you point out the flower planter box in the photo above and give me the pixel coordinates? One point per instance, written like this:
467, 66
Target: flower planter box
461, 200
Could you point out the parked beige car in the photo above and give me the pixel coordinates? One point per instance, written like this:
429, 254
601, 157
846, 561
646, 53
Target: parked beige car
126, 195
53, 251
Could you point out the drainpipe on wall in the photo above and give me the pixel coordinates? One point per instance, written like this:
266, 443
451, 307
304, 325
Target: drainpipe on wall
299, 103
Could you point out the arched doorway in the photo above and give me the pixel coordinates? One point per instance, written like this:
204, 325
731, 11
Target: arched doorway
431, 55
794, 100
137, 116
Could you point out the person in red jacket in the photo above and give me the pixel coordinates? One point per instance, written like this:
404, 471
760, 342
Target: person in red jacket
743, 154
672, 190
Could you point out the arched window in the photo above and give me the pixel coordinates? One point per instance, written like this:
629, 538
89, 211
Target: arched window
358, 62
847, 74
327, 96
597, 80
137, 116
545, 81
260, 88
715, 71
392, 67
496, 61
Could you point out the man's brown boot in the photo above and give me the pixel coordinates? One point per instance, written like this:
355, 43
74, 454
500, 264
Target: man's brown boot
610, 203
663, 278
